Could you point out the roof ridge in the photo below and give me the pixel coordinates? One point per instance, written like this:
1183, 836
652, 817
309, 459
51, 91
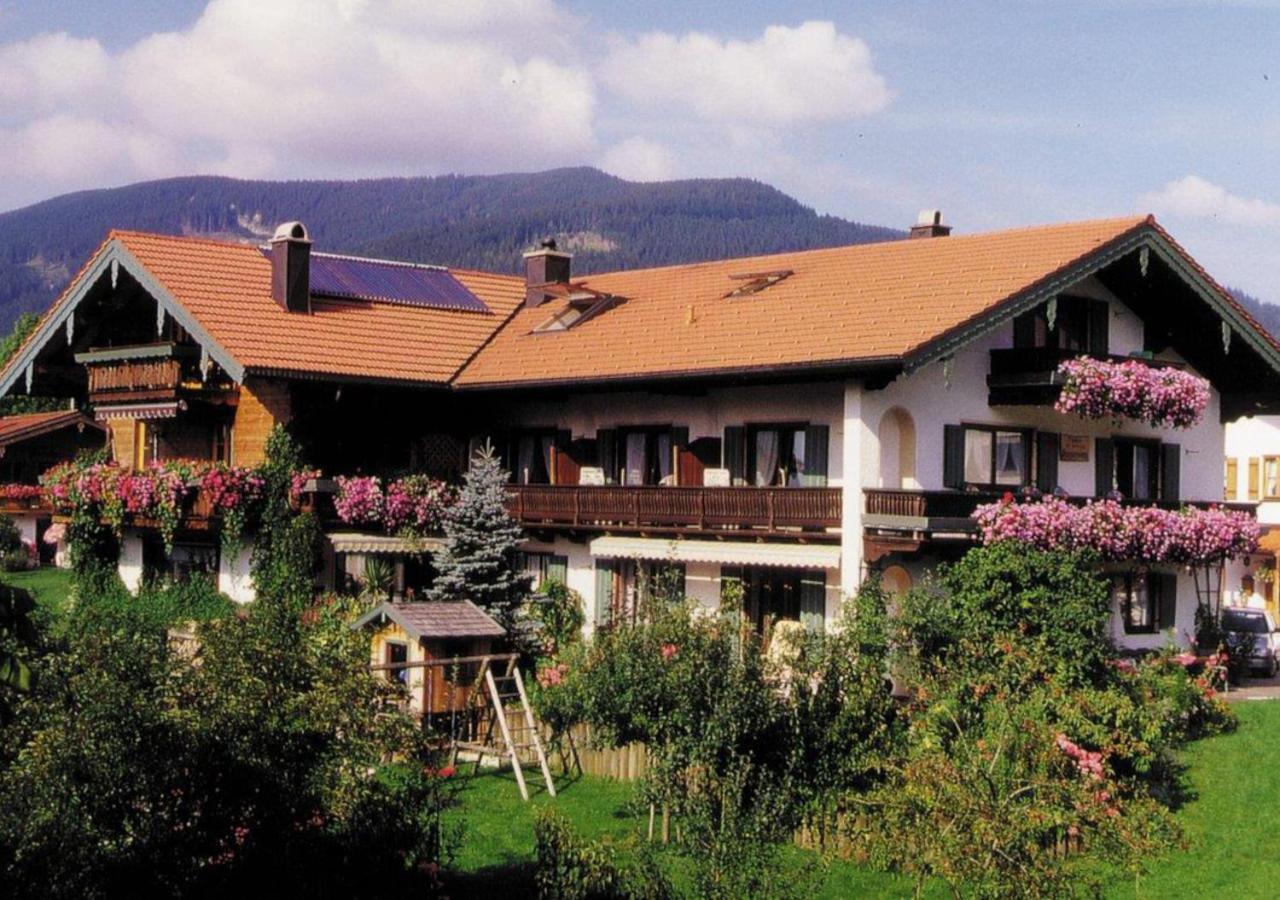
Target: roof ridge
1132, 221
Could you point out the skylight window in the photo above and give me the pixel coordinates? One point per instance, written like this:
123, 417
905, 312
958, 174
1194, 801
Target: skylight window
580, 304
755, 282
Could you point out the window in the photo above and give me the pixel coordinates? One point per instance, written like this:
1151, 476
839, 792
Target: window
1232, 476
1079, 325
646, 456
1271, 478
533, 457
397, 653
776, 593
1137, 468
776, 455
543, 567
1146, 600
221, 443
996, 457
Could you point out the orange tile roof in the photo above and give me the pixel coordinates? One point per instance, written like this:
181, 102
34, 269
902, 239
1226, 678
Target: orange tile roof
28, 425
227, 288
842, 305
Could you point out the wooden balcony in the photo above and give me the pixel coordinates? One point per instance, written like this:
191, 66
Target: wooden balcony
812, 513
1029, 376
951, 511
148, 373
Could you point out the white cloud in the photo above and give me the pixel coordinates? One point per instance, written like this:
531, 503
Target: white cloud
810, 73
1194, 197
51, 72
294, 88
638, 159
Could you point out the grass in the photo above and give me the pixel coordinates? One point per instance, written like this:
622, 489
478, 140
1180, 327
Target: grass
1230, 823
50, 587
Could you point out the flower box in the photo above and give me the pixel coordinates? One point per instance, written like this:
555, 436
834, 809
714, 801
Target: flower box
1161, 396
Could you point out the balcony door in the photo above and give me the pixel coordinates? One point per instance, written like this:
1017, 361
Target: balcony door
646, 456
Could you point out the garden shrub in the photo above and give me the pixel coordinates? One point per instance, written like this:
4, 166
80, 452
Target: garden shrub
569, 868
560, 615
263, 769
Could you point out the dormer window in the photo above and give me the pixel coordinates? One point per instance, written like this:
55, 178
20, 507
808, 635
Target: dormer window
579, 304
755, 282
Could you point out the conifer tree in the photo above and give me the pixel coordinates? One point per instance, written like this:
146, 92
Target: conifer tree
480, 540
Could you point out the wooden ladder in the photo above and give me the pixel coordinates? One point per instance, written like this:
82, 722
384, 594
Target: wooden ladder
513, 689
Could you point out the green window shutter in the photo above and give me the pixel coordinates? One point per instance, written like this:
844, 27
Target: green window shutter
817, 439
1099, 327
1046, 461
607, 453
1104, 466
735, 453
558, 569
953, 456
604, 591
1170, 471
1166, 587
813, 600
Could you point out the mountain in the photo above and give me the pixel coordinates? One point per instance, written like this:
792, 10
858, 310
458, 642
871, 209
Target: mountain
1267, 314
481, 222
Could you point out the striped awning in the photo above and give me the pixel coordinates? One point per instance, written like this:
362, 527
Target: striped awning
167, 410
355, 542
734, 553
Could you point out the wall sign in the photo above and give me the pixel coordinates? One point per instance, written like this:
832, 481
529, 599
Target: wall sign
1074, 448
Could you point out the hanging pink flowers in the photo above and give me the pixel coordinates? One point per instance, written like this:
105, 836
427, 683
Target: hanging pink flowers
360, 500
1189, 536
413, 505
16, 494
1163, 397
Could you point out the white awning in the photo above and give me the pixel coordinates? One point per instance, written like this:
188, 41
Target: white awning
356, 542
734, 553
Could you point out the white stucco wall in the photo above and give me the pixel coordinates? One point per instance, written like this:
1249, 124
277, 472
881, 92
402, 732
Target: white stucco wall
233, 575
1254, 437
130, 567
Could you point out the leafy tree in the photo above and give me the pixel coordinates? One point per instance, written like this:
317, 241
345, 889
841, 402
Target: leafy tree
21, 403
262, 769
480, 541
18, 640
286, 550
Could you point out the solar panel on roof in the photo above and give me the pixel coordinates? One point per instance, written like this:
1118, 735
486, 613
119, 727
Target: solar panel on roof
350, 277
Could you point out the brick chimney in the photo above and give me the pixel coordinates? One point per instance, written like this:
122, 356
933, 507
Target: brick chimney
929, 225
291, 267
542, 267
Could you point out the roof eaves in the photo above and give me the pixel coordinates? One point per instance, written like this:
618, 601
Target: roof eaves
772, 372
386, 610
1033, 295
112, 255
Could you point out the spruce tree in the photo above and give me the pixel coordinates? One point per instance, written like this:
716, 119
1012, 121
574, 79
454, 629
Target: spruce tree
480, 540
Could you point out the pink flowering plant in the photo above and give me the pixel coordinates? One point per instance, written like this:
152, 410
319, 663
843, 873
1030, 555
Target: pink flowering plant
1188, 536
1162, 397
360, 500
160, 494
232, 492
412, 506
20, 493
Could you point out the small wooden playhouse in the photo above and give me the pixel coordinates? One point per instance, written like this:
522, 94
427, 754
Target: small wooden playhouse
431, 631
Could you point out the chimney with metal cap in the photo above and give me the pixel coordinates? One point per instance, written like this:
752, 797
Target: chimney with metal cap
291, 267
542, 267
929, 225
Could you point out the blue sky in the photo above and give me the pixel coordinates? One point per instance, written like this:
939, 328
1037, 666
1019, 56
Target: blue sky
999, 113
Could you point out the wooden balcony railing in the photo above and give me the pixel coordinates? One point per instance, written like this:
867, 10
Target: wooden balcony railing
676, 509
131, 376
920, 510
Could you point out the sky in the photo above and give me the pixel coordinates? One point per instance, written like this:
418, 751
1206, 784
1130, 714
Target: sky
1000, 114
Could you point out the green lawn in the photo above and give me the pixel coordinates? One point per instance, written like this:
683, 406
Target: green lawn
50, 587
1231, 822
